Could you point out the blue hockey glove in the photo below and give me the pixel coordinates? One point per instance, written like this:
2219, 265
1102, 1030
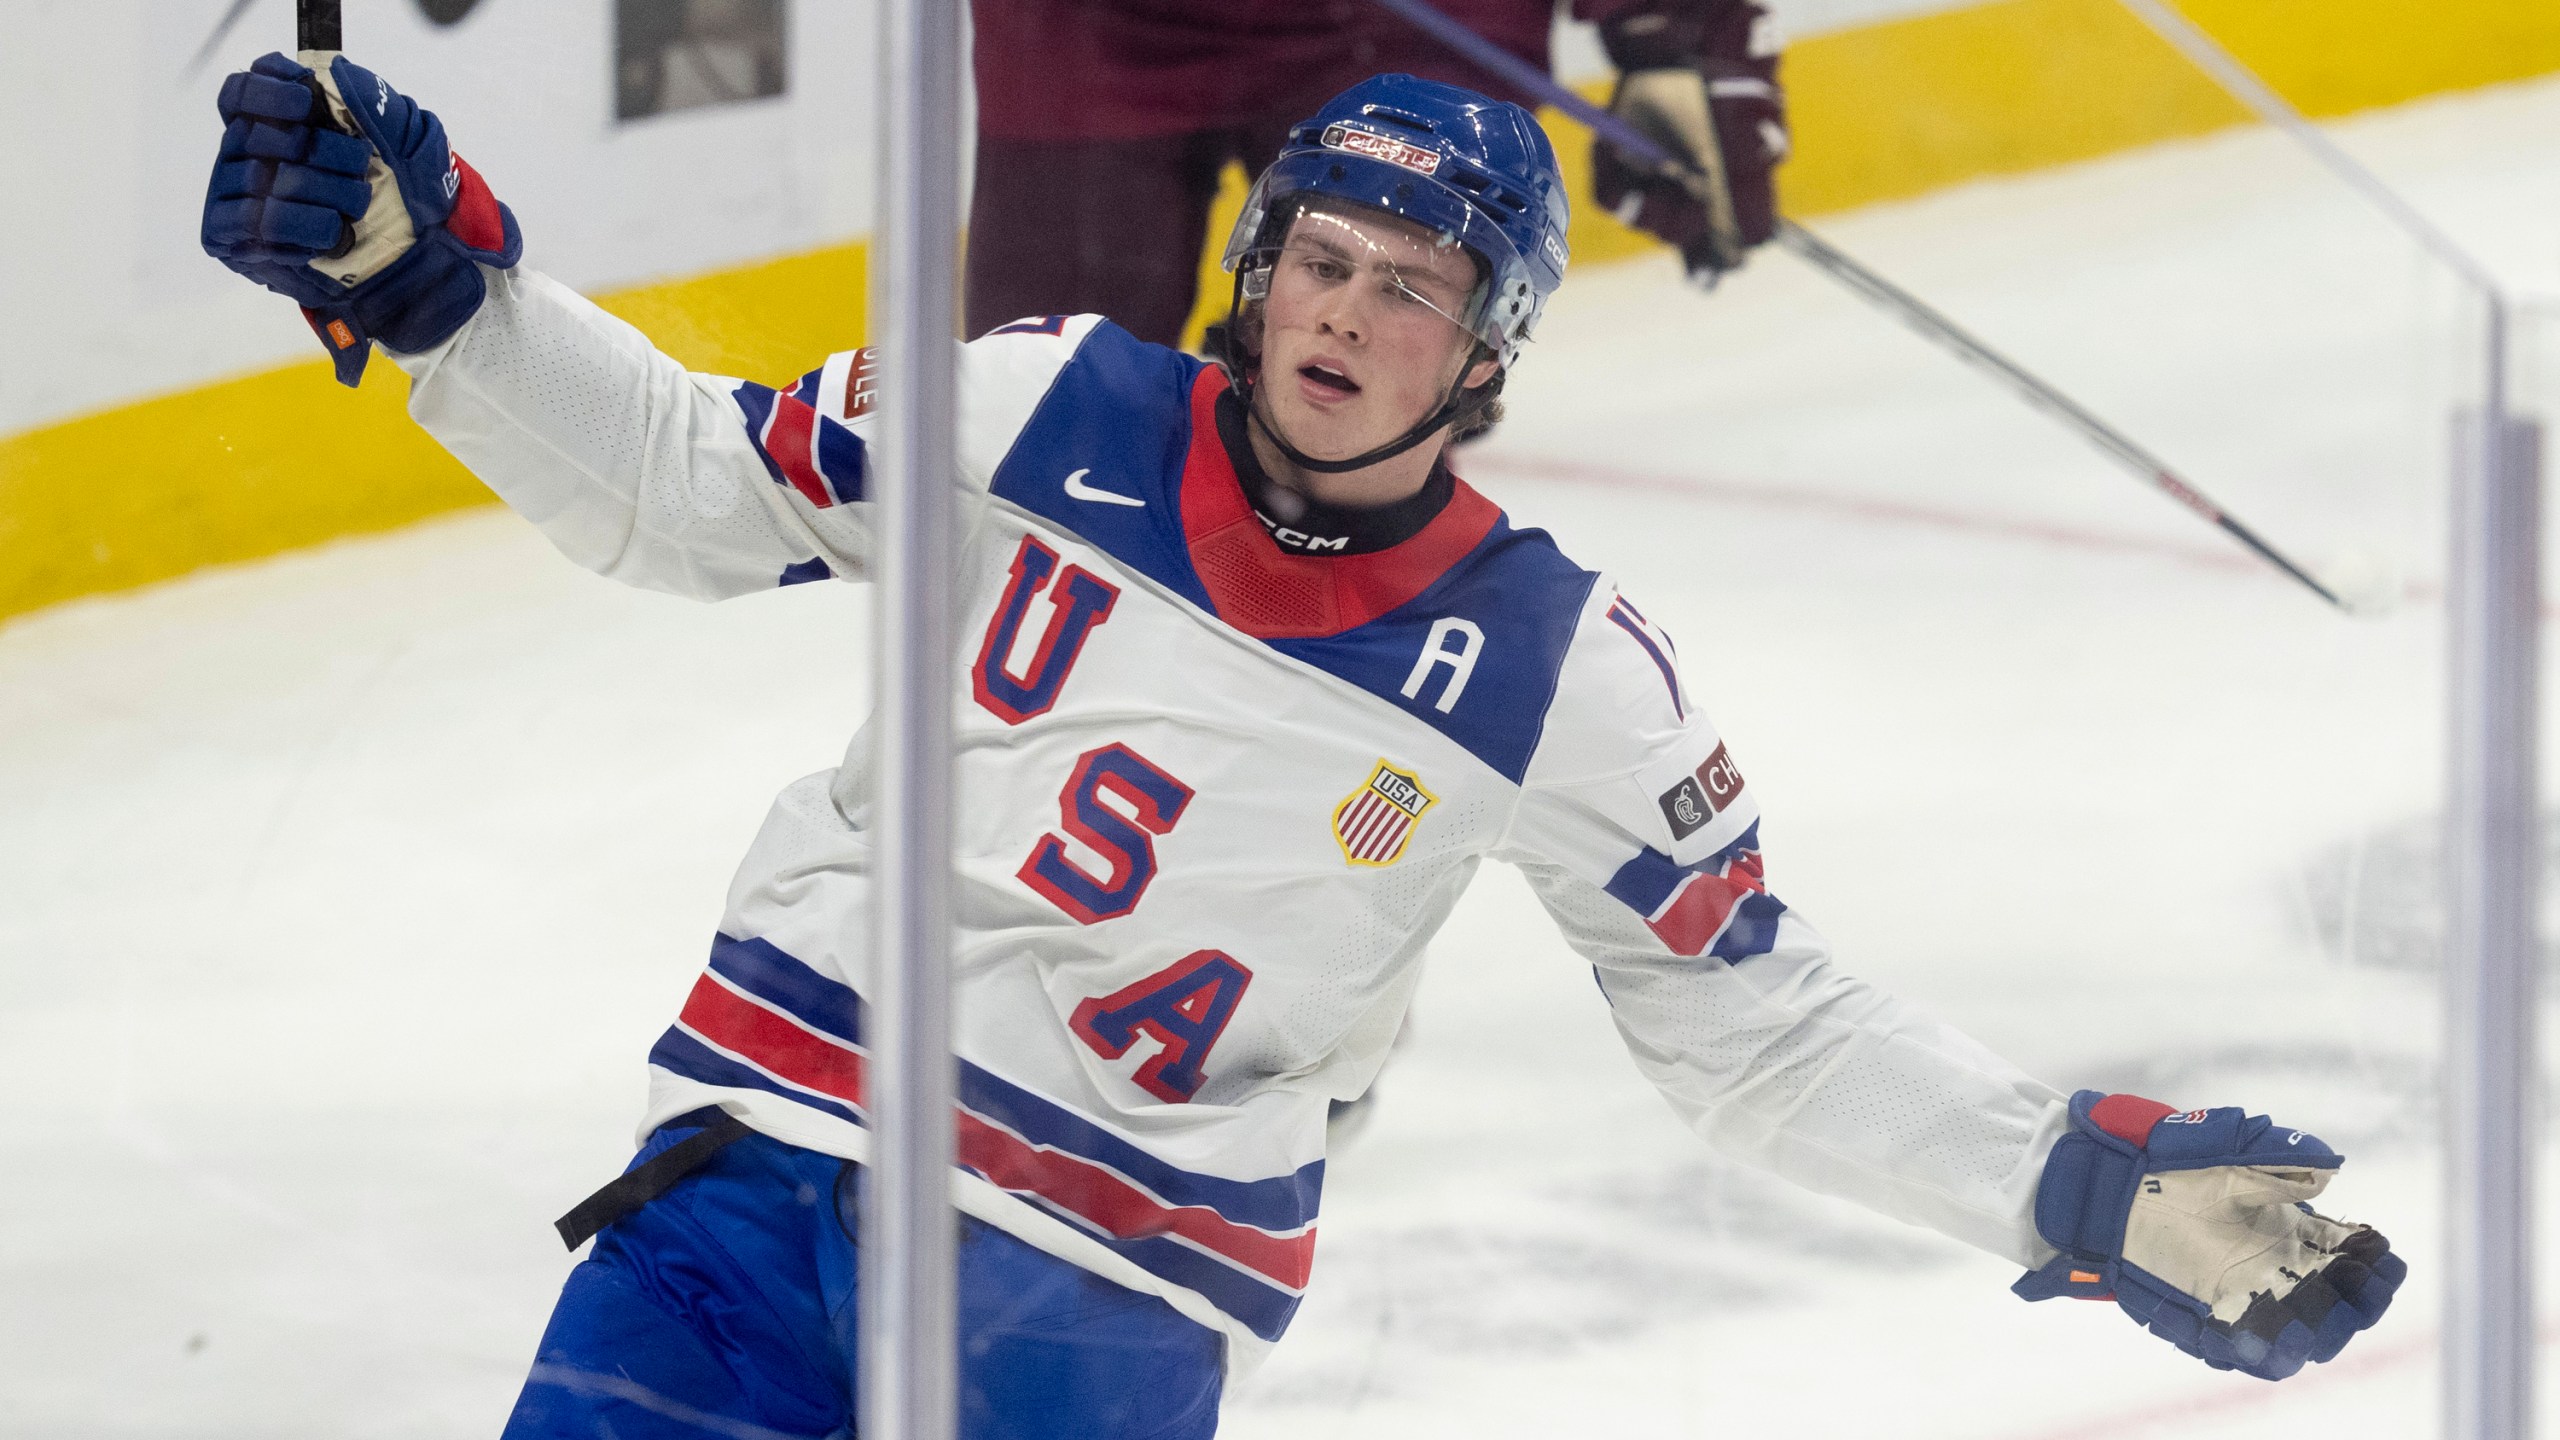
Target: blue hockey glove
2196, 1224
339, 192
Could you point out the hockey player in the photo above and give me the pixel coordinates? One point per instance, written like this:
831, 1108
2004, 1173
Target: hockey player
1254, 683
1103, 126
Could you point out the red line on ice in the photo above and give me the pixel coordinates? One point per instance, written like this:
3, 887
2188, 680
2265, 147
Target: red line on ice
2414, 591
1858, 507
2249, 1394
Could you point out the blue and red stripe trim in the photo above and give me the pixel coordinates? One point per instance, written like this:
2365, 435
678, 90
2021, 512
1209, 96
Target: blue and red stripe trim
760, 1019
813, 455
1720, 906
1628, 618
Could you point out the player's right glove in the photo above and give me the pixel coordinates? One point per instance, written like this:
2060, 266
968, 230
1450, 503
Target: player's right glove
1698, 78
2196, 1225
336, 190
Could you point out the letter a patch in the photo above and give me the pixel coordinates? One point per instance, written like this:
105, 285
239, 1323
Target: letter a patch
1373, 822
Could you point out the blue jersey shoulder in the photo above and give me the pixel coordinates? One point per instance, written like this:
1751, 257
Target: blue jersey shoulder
1102, 455
1476, 655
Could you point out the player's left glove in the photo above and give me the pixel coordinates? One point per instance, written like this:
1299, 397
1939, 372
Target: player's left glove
1699, 77
340, 192
2196, 1224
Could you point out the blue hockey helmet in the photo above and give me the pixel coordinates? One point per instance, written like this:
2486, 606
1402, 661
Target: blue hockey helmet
1477, 171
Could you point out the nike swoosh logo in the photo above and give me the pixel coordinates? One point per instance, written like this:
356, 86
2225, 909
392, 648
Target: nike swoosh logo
1078, 490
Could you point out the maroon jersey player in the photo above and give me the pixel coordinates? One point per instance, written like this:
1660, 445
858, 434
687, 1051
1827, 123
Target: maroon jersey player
1103, 126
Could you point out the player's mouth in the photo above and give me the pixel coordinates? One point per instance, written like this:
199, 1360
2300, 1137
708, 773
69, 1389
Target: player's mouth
1328, 378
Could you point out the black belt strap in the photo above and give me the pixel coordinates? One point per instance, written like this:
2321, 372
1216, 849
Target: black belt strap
648, 1180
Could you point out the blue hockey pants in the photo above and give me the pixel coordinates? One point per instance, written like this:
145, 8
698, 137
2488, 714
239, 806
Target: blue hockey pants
726, 1307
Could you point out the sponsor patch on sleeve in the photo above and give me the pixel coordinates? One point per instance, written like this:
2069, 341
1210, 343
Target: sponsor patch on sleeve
862, 377
847, 385
1685, 806
1702, 802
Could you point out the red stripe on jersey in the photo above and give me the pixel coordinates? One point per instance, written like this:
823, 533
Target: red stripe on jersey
1121, 1208
1696, 913
774, 1044
791, 439
1102, 1196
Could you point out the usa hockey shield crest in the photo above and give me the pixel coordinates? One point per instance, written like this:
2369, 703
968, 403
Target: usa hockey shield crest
1373, 822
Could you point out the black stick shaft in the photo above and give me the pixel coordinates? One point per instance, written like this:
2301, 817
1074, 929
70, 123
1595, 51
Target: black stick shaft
317, 26
1904, 305
2027, 386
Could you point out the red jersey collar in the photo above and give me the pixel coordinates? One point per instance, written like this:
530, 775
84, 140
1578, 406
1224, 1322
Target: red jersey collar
1270, 594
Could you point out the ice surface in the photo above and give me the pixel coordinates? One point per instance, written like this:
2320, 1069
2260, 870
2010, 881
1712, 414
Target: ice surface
341, 894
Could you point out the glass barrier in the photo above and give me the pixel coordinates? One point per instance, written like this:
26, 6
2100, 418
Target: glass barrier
360, 848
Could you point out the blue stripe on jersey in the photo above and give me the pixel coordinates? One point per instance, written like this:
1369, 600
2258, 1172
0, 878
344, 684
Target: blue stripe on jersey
844, 460
1645, 882
1753, 930
1281, 1203
1642, 884
766, 970
1525, 598
1119, 414
841, 461
1626, 618
806, 571
1263, 1307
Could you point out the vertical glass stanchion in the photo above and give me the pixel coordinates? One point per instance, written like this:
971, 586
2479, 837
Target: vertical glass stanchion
2493, 868
2492, 831
908, 1360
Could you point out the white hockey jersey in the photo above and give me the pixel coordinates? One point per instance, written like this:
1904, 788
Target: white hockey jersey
1214, 798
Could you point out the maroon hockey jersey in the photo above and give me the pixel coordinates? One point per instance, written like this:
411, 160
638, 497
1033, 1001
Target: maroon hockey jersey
1064, 70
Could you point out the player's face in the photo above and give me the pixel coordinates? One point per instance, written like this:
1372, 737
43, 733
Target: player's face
1359, 339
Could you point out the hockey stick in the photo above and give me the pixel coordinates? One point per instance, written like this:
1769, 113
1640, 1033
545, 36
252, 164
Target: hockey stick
317, 26
1923, 318
221, 32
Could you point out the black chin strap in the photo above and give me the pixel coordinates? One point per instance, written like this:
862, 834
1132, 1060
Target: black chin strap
1461, 404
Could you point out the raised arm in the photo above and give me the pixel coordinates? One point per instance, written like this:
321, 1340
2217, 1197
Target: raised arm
696, 484
636, 468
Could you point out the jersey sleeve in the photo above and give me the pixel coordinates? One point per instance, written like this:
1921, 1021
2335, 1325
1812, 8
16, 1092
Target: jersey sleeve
1640, 836
695, 484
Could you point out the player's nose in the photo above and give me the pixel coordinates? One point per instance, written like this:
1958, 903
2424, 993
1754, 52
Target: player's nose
1342, 316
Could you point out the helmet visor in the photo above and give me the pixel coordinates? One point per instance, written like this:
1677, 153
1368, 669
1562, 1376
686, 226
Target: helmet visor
1398, 276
